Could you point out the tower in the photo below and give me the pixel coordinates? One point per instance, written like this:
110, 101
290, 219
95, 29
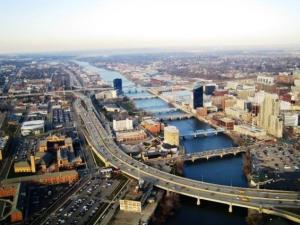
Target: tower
198, 95
268, 117
117, 83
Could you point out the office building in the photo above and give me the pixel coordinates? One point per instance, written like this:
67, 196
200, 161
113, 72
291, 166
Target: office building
197, 95
210, 88
268, 117
122, 124
118, 85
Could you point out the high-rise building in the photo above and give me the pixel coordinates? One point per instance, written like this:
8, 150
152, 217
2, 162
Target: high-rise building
197, 95
268, 117
171, 135
210, 88
118, 85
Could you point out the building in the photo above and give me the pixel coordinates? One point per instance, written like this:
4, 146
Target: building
210, 88
122, 124
130, 205
3, 143
265, 80
239, 114
250, 131
171, 135
111, 94
266, 83
227, 123
111, 108
152, 126
202, 111
63, 147
197, 95
131, 137
32, 127
228, 102
118, 85
290, 119
268, 117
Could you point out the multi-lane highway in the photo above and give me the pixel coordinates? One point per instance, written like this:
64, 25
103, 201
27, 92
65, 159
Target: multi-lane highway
266, 201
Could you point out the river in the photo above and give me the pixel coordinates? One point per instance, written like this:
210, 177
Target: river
227, 171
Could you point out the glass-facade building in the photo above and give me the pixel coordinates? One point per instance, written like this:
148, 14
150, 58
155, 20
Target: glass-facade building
198, 95
118, 85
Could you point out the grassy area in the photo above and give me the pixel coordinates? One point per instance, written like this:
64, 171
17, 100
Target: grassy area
97, 159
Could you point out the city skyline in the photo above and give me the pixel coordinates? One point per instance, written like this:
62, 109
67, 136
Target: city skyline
47, 26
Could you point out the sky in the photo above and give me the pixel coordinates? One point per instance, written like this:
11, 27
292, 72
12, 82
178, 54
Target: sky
67, 25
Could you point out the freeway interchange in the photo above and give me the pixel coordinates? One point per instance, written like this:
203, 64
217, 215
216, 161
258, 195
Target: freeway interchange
274, 202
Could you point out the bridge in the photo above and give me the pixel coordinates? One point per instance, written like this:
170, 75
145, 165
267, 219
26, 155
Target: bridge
212, 153
197, 133
275, 202
174, 117
163, 110
127, 90
142, 97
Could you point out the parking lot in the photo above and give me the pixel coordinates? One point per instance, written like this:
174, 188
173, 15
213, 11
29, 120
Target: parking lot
87, 203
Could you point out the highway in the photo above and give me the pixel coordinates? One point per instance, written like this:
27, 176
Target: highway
263, 200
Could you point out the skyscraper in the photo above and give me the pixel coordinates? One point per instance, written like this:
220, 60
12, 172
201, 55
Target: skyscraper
118, 85
210, 88
198, 95
268, 117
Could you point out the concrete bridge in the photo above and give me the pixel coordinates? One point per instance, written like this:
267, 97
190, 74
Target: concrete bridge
142, 97
275, 202
203, 132
131, 90
213, 153
174, 117
163, 110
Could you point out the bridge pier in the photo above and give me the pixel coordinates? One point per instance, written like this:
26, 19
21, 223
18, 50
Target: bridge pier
221, 155
198, 201
230, 208
207, 157
260, 209
193, 159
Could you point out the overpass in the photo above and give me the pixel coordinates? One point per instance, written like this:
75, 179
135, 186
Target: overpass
203, 132
212, 153
273, 202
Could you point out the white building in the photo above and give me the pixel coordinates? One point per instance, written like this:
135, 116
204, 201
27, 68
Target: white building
291, 119
265, 80
120, 125
107, 94
32, 127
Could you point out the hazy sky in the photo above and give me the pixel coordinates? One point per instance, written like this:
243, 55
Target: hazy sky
58, 25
